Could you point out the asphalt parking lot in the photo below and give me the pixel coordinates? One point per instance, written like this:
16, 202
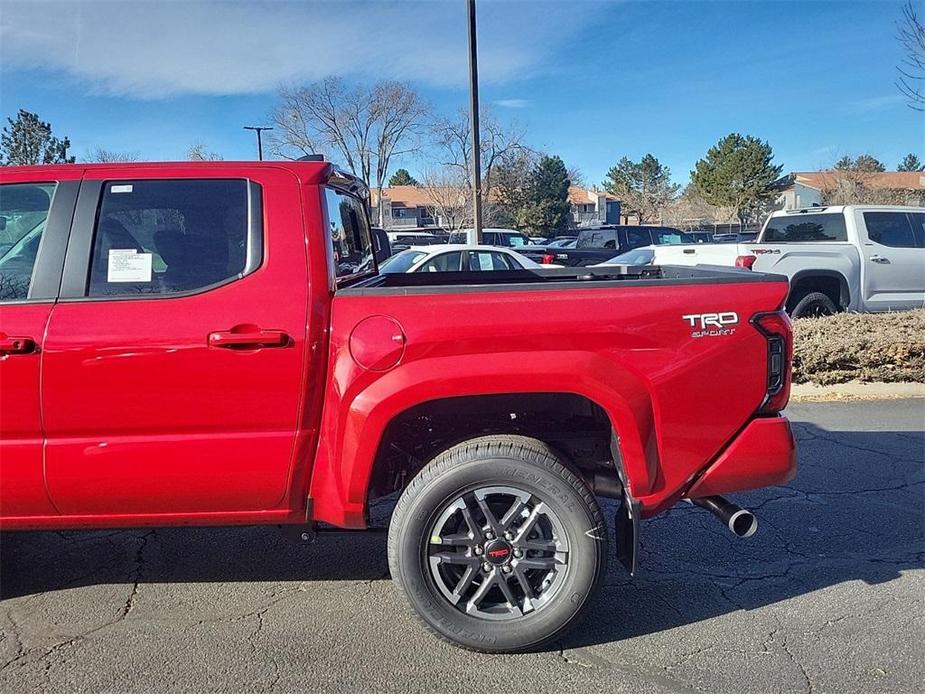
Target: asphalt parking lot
829, 596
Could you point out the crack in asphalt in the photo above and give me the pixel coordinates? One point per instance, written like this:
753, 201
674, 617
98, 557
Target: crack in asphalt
121, 614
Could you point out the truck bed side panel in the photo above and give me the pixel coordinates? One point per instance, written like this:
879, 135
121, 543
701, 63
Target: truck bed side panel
674, 399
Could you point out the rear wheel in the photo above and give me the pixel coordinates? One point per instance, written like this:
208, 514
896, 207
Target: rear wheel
814, 305
497, 545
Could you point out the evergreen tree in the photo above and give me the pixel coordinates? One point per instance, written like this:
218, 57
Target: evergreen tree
644, 187
911, 162
867, 163
548, 209
737, 173
402, 178
28, 140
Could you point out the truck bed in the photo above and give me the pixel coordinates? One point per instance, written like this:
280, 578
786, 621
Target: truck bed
612, 275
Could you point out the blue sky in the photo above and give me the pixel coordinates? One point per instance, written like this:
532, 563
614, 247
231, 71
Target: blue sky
590, 81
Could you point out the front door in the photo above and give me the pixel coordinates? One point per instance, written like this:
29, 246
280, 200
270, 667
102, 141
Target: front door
174, 358
34, 220
893, 254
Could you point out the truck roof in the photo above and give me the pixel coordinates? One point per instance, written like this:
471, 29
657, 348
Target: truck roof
840, 209
307, 171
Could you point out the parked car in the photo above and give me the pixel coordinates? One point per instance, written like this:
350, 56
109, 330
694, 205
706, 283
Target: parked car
457, 258
839, 258
506, 238
598, 245
198, 343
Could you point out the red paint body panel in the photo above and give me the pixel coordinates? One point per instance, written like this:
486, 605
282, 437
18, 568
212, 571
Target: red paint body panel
22, 482
674, 400
129, 416
763, 455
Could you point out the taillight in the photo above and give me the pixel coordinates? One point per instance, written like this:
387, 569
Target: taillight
548, 258
777, 331
746, 261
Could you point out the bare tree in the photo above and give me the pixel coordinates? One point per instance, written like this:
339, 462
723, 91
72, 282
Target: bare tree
857, 187
449, 199
100, 155
199, 152
911, 81
453, 148
363, 126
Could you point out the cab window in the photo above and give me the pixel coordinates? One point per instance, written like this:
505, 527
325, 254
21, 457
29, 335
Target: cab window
895, 229
348, 234
169, 236
23, 213
637, 237
805, 228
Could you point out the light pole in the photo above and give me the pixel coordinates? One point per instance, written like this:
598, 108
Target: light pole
474, 119
258, 129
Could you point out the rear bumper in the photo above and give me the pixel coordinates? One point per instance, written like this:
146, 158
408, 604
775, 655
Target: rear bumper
762, 455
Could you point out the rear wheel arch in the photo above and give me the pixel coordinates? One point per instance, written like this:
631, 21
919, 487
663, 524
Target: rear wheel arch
417, 435
831, 283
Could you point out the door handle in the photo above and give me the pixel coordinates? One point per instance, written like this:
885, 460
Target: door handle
879, 259
252, 337
17, 345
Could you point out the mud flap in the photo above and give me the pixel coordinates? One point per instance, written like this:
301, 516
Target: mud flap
627, 519
627, 527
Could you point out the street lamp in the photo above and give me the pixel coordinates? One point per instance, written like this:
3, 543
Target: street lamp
258, 129
474, 118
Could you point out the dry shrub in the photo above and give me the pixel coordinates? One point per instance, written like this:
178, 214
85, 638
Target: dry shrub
866, 347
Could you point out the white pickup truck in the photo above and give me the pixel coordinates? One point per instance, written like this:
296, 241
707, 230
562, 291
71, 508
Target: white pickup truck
844, 258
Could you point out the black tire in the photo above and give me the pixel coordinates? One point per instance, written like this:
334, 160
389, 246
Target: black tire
814, 305
471, 471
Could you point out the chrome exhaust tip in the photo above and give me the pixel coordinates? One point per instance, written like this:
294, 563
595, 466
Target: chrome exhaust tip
740, 522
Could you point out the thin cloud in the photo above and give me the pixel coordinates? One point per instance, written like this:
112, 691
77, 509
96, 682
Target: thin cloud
162, 49
512, 103
877, 103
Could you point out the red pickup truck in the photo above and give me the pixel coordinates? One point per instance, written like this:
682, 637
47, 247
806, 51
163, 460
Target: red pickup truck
211, 344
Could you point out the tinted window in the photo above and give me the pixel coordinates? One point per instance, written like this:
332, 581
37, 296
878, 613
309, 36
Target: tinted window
23, 213
605, 238
349, 232
445, 262
894, 229
806, 227
637, 237
671, 236
163, 237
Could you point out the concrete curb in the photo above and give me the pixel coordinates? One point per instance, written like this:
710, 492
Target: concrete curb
810, 392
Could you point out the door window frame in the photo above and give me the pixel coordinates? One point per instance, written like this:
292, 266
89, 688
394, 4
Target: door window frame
75, 278
49, 258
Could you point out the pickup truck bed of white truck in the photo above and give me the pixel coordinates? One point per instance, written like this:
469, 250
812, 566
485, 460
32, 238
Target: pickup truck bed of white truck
849, 258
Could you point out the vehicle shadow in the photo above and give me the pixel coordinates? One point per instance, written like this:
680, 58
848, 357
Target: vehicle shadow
854, 513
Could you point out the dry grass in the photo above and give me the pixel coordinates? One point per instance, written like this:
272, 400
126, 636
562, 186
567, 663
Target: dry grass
865, 347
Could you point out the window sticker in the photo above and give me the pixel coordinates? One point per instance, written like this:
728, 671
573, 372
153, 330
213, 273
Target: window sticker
121, 189
128, 265
484, 261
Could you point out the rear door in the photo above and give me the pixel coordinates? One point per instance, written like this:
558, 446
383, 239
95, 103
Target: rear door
35, 213
174, 359
893, 253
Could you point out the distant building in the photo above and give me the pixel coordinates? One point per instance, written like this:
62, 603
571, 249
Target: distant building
593, 207
412, 207
799, 190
